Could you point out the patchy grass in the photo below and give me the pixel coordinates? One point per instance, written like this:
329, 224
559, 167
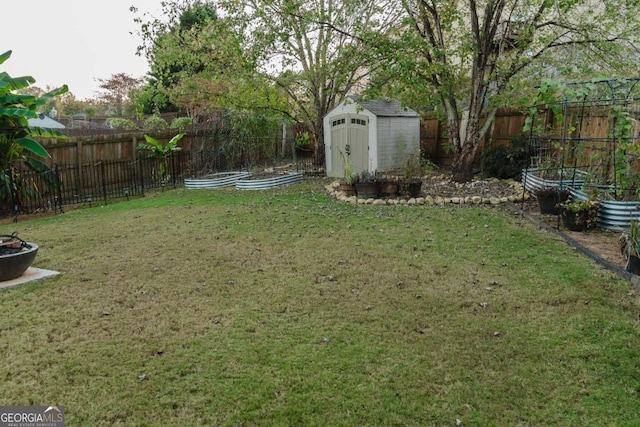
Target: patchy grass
219, 307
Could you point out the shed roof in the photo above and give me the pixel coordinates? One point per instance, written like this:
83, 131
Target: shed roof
44, 121
385, 107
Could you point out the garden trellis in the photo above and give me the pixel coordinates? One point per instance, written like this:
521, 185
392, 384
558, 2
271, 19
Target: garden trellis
586, 136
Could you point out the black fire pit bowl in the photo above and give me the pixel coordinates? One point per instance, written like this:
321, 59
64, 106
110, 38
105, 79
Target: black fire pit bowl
13, 266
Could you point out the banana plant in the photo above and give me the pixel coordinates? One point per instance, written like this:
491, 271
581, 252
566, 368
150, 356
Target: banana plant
157, 150
16, 135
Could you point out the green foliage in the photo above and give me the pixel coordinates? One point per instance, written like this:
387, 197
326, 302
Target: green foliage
584, 211
157, 150
548, 96
350, 175
365, 177
121, 123
155, 123
303, 139
412, 168
632, 239
197, 59
505, 162
16, 136
476, 56
181, 123
247, 138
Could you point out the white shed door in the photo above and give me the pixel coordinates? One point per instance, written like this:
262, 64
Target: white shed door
349, 141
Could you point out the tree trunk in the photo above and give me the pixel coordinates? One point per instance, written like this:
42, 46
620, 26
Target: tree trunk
463, 164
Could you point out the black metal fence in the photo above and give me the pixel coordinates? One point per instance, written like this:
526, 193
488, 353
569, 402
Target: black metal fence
105, 181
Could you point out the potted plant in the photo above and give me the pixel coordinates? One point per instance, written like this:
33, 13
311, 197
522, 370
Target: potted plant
632, 247
367, 185
348, 184
579, 215
549, 198
412, 185
16, 138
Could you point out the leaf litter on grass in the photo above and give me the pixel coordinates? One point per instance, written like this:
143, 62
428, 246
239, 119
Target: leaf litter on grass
215, 297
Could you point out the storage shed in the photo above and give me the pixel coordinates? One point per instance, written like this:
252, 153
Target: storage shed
375, 135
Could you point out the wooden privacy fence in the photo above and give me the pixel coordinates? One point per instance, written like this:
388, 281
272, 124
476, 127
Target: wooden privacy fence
434, 138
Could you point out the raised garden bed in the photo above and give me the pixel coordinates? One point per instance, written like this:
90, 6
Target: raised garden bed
264, 182
612, 214
217, 180
571, 177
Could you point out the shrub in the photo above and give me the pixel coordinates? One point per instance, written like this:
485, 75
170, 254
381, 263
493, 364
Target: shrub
181, 122
119, 123
155, 124
506, 162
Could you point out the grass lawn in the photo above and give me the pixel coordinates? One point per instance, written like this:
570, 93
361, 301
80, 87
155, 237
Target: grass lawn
287, 308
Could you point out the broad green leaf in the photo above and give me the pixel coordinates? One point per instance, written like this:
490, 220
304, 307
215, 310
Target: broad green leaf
41, 168
19, 112
47, 96
32, 146
5, 56
46, 132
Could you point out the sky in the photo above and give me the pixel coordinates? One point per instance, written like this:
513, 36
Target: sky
73, 42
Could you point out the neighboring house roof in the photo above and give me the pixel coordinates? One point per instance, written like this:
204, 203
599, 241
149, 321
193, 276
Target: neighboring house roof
44, 121
385, 107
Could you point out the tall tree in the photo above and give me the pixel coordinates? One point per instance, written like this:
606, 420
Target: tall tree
313, 50
469, 52
115, 92
194, 55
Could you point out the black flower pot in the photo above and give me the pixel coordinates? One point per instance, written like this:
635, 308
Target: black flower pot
412, 189
633, 265
547, 202
368, 190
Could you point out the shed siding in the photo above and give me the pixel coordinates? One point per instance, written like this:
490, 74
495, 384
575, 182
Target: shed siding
398, 137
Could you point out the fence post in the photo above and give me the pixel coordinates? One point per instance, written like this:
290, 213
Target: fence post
59, 201
173, 169
14, 195
141, 177
134, 143
104, 182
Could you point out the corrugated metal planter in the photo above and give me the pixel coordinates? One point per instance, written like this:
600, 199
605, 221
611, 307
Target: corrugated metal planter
613, 214
222, 179
271, 182
532, 182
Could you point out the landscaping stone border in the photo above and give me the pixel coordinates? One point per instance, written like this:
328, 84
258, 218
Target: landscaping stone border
520, 195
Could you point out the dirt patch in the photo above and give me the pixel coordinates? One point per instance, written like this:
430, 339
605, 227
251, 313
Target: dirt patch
604, 243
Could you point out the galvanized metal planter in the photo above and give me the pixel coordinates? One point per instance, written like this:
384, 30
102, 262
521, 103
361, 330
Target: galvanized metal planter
271, 182
222, 179
612, 215
571, 178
